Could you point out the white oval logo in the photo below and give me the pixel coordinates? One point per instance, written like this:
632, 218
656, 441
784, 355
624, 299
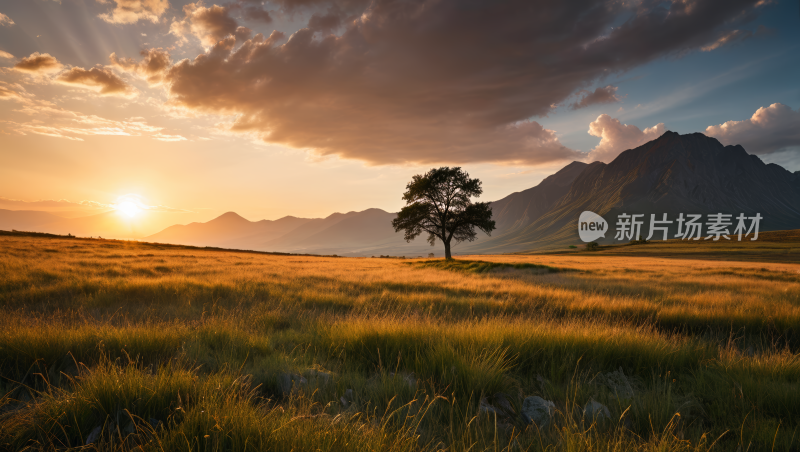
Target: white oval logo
591, 226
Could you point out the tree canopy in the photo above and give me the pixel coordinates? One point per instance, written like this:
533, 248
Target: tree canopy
439, 203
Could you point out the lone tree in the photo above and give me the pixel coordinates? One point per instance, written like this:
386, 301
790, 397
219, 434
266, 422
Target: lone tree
439, 203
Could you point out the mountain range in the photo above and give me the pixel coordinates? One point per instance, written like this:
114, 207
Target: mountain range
673, 174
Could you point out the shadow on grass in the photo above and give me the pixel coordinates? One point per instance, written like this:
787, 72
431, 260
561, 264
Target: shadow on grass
469, 266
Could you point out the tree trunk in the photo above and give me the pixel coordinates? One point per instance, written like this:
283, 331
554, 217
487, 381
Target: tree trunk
447, 250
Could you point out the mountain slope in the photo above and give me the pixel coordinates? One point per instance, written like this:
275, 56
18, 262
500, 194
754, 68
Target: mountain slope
366, 227
672, 174
295, 239
518, 210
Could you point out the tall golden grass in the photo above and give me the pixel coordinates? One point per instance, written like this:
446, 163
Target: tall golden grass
165, 347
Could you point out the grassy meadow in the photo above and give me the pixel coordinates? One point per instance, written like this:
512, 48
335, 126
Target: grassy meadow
115, 345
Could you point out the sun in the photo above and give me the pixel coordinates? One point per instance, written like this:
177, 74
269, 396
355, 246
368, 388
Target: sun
128, 208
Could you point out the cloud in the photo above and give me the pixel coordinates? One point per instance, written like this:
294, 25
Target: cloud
106, 82
325, 23
253, 10
168, 138
9, 91
258, 14
131, 11
770, 129
208, 24
432, 81
152, 67
32, 114
52, 205
5, 20
616, 137
6, 55
601, 95
38, 63
733, 36
65, 205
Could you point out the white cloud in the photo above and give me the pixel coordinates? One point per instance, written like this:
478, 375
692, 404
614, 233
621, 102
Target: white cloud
770, 129
5, 20
131, 11
168, 138
616, 137
40, 117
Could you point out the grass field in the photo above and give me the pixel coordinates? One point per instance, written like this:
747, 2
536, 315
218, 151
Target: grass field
771, 246
132, 346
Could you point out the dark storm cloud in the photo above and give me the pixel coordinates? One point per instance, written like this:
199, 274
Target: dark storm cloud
435, 80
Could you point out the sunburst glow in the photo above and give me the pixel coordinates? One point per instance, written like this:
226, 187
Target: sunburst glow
129, 206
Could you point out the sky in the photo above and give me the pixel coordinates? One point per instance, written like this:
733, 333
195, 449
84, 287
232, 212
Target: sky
309, 107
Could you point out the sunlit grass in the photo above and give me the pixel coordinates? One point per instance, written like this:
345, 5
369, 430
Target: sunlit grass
89, 329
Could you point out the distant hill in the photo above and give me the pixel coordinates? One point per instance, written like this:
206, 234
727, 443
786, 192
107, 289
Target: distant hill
354, 233
351, 230
228, 230
25, 220
110, 224
106, 224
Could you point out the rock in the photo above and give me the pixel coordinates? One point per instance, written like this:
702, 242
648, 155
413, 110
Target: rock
486, 408
93, 435
502, 405
542, 381
155, 423
290, 382
325, 377
619, 384
499, 405
536, 410
347, 398
409, 378
596, 411
627, 423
